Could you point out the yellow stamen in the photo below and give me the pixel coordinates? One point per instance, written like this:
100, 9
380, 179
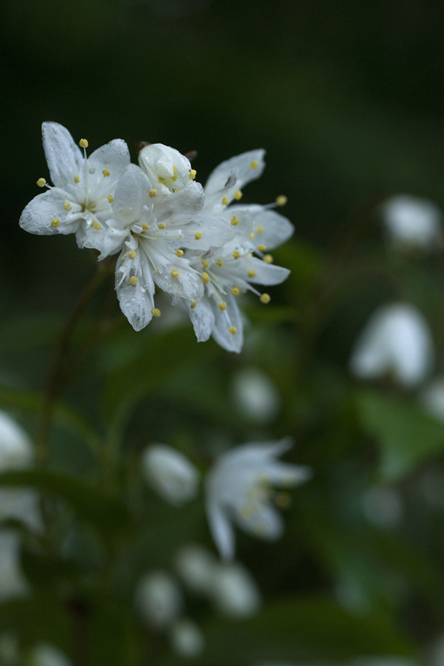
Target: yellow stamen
233, 330
106, 173
238, 195
222, 306
205, 278
268, 259
260, 230
133, 280
192, 174
145, 226
174, 273
205, 264
77, 179
41, 182
236, 254
96, 225
254, 164
152, 193
262, 248
225, 201
235, 221
220, 263
265, 298
197, 235
251, 274
252, 235
162, 225
155, 312
179, 253
67, 205
235, 291
55, 223
281, 200
193, 304
132, 254
83, 143
110, 198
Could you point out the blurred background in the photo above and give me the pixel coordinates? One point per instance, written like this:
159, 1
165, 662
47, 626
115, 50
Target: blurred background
347, 98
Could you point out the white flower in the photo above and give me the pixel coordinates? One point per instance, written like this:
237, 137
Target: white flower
256, 396
231, 269
170, 473
239, 488
159, 599
432, 398
234, 592
412, 222
12, 582
397, 341
44, 654
80, 201
195, 565
186, 638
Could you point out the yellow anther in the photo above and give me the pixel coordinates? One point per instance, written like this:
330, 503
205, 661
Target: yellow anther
265, 298
133, 280
205, 278
251, 274
222, 306
252, 235
41, 182
193, 304
179, 253
155, 312
236, 254
106, 173
152, 193
77, 179
260, 230
192, 174
254, 164
268, 259
281, 200
162, 225
96, 225
262, 248
197, 235
55, 223
67, 205
233, 330
238, 195
220, 263
132, 254
225, 201
235, 291
174, 273
110, 198
83, 143
205, 264
145, 226
235, 221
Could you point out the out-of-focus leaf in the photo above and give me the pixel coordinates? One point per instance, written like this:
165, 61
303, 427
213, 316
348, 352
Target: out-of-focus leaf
40, 618
271, 315
112, 633
310, 628
407, 436
46, 571
91, 503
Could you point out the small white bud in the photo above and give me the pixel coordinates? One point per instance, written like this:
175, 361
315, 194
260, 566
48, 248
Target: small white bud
15, 445
196, 565
412, 222
170, 473
234, 592
256, 395
12, 582
47, 655
159, 599
186, 638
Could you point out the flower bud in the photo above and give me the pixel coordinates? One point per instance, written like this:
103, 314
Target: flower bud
47, 655
12, 582
186, 638
412, 222
159, 599
170, 473
234, 591
15, 445
256, 396
196, 565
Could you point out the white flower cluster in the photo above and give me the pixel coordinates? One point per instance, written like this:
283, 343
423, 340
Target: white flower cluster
200, 245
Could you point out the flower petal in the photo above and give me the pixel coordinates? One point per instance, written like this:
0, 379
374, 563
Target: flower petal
226, 319
136, 301
186, 202
202, 317
42, 210
188, 284
130, 196
274, 229
232, 175
265, 522
63, 155
107, 240
213, 231
267, 274
113, 156
223, 533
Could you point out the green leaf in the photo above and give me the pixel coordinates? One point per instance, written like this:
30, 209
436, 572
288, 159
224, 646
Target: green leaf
407, 436
89, 502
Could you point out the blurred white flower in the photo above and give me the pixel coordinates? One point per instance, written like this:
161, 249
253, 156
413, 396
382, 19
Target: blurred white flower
397, 341
195, 565
234, 592
412, 222
239, 488
47, 655
170, 473
9, 655
432, 398
159, 599
256, 395
186, 638
12, 581
383, 506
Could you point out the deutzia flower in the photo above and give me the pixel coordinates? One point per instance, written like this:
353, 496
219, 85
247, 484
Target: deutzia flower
170, 473
412, 222
232, 269
159, 599
195, 565
80, 201
397, 341
234, 592
239, 489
